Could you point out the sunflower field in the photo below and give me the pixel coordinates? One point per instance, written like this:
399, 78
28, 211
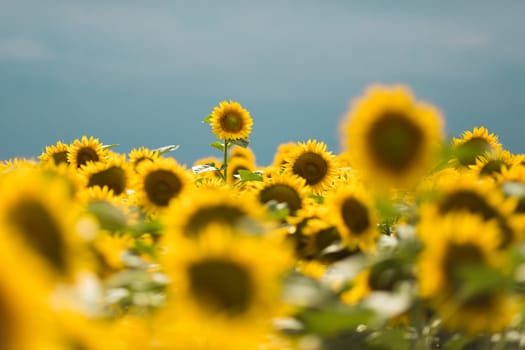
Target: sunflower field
405, 239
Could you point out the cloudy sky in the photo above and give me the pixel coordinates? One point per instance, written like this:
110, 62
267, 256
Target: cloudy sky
145, 73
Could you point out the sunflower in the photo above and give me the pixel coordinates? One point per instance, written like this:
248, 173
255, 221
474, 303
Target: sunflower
473, 144
352, 211
313, 163
85, 150
236, 164
159, 182
56, 153
23, 306
282, 153
491, 164
113, 174
226, 285
384, 275
484, 199
290, 190
242, 152
138, 156
464, 241
194, 211
392, 138
17, 163
38, 218
230, 121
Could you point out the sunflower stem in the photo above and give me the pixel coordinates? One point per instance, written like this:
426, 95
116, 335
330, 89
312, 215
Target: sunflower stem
225, 161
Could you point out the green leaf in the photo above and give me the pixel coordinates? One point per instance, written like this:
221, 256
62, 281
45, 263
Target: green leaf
110, 146
277, 210
332, 321
457, 342
110, 217
219, 145
318, 198
240, 142
202, 168
247, 175
166, 149
394, 339
152, 227
208, 119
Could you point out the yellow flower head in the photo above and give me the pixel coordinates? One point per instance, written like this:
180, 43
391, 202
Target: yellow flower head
391, 137
230, 121
142, 155
113, 174
56, 153
452, 244
312, 162
236, 164
492, 164
473, 144
85, 150
158, 183
225, 282
290, 190
352, 211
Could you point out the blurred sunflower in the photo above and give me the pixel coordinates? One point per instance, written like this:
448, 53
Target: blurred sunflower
113, 174
159, 182
230, 121
38, 220
242, 152
282, 153
23, 306
391, 137
190, 214
384, 275
484, 199
352, 211
236, 164
313, 163
225, 285
141, 155
290, 190
85, 150
473, 144
56, 153
464, 242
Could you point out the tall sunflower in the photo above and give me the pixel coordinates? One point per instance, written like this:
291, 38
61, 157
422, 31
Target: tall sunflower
352, 211
159, 182
56, 153
312, 162
391, 137
464, 241
230, 121
225, 287
85, 150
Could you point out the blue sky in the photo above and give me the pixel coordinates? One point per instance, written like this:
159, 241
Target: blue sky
145, 73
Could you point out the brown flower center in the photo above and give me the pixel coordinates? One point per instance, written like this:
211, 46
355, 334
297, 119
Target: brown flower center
161, 186
60, 157
492, 167
114, 178
222, 286
86, 154
355, 216
231, 122
457, 258
395, 142
220, 213
469, 151
283, 194
312, 167
40, 231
